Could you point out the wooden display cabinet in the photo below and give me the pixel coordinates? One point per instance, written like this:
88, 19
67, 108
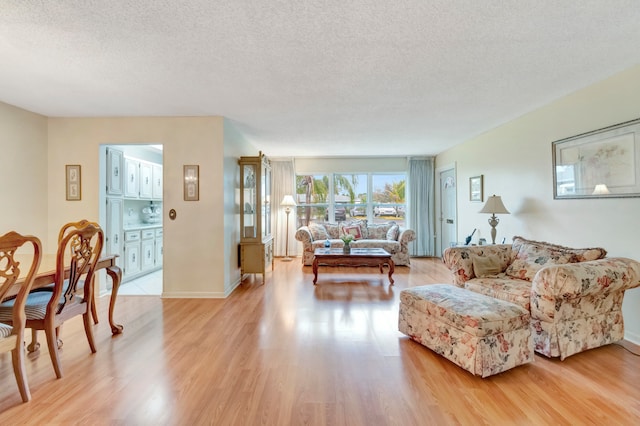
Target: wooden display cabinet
256, 240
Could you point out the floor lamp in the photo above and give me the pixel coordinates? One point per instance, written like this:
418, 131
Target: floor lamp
494, 206
287, 203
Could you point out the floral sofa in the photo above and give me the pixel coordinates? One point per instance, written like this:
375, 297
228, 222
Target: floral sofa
389, 236
574, 295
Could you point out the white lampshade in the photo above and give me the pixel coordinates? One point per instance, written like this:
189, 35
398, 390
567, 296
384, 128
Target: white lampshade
288, 201
494, 206
600, 189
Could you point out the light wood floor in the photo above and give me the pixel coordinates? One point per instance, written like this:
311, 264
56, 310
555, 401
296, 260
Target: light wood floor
289, 353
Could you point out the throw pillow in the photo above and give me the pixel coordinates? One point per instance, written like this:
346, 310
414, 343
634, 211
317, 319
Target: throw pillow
582, 254
333, 229
378, 231
392, 233
362, 224
318, 232
352, 230
532, 257
486, 266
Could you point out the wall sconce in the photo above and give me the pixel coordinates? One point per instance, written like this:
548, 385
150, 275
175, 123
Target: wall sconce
191, 182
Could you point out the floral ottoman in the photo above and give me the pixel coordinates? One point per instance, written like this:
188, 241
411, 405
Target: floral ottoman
481, 334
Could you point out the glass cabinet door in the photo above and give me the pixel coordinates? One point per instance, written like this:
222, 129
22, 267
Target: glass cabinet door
249, 195
266, 196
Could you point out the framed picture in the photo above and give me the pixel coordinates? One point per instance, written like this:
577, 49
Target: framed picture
603, 163
191, 183
73, 182
476, 192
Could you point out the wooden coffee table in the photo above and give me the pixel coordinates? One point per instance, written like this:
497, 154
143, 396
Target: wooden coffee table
356, 257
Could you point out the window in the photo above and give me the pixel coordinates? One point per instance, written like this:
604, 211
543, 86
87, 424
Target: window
388, 197
339, 197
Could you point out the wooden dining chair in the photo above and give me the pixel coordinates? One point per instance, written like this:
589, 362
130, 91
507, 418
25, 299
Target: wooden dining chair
34, 345
13, 245
76, 258
63, 231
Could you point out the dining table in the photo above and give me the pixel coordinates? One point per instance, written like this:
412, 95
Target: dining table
47, 272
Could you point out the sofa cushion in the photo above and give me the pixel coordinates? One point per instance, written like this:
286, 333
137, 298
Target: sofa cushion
582, 254
486, 266
360, 223
393, 232
378, 231
392, 247
503, 287
532, 257
318, 231
353, 230
333, 229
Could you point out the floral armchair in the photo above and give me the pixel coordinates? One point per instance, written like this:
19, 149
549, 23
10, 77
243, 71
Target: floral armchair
574, 295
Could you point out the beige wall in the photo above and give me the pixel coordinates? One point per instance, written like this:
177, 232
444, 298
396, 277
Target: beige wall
515, 160
23, 173
235, 146
194, 262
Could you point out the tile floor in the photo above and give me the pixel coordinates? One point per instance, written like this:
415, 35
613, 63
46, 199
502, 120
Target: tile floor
147, 285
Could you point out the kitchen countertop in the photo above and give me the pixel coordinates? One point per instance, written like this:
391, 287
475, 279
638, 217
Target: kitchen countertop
136, 226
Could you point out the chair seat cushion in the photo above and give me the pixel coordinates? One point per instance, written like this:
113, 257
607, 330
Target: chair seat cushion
5, 330
35, 308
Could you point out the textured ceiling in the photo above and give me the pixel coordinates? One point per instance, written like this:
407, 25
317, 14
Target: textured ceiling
307, 78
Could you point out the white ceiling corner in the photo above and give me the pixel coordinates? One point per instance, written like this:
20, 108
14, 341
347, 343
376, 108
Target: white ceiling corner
307, 78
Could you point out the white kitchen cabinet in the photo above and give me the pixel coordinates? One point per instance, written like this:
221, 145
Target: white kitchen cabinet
159, 248
148, 249
113, 238
132, 177
146, 180
134, 187
114, 171
132, 261
157, 182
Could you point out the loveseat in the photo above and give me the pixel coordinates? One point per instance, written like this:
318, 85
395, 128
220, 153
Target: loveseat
574, 295
389, 236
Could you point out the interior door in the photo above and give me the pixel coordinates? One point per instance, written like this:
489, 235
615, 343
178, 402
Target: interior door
448, 206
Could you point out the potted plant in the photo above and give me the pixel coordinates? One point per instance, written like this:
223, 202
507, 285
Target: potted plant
346, 239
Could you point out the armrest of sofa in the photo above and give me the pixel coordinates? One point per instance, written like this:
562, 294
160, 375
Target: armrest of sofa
459, 260
405, 236
557, 283
304, 234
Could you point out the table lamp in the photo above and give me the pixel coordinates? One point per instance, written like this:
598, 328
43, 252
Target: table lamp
494, 206
600, 189
287, 203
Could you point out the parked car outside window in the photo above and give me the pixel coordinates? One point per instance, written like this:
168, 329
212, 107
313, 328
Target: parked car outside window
339, 213
384, 211
358, 211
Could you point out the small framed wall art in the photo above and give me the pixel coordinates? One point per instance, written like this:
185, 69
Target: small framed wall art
73, 182
476, 191
191, 183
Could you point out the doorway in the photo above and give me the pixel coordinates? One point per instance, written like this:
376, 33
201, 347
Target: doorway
131, 201
447, 208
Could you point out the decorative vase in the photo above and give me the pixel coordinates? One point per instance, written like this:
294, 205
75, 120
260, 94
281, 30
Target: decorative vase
347, 248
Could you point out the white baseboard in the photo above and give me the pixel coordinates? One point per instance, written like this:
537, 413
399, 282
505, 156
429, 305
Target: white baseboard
632, 347
189, 295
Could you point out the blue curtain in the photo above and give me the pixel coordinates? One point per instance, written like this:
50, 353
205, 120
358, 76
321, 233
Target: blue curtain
421, 208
